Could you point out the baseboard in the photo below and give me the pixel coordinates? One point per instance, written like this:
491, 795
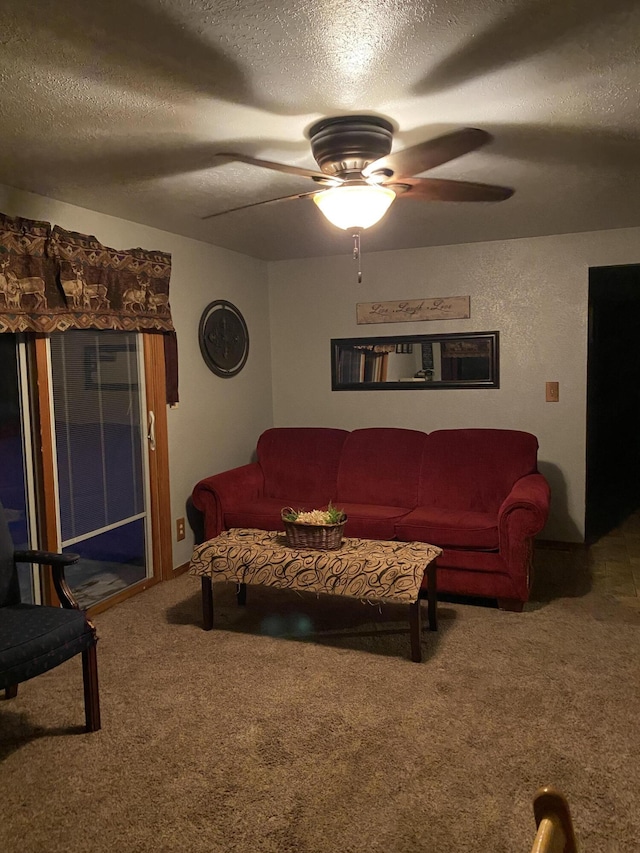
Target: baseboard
180, 570
557, 545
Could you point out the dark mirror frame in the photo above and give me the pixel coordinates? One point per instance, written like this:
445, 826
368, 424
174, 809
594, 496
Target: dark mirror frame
338, 345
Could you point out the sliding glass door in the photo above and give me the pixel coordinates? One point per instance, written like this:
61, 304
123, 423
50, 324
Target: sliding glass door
16, 470
101, 463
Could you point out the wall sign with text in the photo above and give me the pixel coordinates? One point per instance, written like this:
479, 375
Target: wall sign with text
411, 310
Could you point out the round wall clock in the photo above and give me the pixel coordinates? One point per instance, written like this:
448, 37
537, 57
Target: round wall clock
224, 338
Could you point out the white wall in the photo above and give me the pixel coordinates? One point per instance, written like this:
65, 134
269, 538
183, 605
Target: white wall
533, 291
218, 420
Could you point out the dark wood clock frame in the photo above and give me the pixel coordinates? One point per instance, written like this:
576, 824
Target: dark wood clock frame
224, 338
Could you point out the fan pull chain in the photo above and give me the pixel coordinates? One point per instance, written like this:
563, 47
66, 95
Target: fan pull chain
357, 254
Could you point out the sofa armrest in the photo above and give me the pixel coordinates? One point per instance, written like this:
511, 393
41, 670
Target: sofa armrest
232, 489
526, 508
523, 513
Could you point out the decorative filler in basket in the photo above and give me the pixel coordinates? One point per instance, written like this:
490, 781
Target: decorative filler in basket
320, 529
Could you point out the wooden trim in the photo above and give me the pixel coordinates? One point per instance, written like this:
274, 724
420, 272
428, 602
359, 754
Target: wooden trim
557, 545
44, 461
159, 458
121, 596
180, 570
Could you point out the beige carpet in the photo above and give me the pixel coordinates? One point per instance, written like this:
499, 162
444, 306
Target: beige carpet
235, 740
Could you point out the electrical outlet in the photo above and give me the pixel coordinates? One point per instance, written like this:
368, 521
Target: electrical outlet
553, 392
180, 531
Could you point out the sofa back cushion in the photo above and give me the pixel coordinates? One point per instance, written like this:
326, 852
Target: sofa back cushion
381, 466
474, 469
300, 464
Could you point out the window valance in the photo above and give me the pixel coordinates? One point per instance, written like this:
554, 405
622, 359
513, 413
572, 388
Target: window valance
53, 280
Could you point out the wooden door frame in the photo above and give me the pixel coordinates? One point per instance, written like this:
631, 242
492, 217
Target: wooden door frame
43, 462
155, 380
45, 473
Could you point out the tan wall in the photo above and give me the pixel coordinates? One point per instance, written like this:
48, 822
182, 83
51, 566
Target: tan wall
218, 420
534, 291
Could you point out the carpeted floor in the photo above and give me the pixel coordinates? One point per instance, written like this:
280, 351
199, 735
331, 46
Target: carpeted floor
328, 739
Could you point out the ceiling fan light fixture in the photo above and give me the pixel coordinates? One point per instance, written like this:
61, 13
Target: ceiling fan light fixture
355, 207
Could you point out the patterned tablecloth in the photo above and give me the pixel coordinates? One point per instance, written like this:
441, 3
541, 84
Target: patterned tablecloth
361, 568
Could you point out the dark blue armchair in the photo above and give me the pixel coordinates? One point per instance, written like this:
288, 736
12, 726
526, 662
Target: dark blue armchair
35, 638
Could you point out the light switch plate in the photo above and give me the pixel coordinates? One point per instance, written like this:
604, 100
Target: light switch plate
553, 392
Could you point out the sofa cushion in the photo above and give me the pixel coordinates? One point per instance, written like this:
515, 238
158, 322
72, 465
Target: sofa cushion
381, 466
474, 469
453, 528
365, 521
368, 521
300, 463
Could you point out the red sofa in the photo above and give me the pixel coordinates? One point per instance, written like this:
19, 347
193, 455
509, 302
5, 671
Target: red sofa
476, 493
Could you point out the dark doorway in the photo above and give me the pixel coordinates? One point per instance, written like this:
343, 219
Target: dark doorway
613, 398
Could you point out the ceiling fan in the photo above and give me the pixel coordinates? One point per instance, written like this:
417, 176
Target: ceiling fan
359, 177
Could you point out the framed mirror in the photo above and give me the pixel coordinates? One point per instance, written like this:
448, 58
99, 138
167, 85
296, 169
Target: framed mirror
460, 360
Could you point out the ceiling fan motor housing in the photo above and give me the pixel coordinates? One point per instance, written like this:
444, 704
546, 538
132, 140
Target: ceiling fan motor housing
344, 145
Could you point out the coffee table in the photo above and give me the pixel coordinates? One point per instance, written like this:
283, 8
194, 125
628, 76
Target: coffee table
366, 569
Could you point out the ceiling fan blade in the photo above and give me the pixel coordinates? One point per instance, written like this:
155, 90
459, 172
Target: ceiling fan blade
259, 204
429, 154
320, 177
437, 189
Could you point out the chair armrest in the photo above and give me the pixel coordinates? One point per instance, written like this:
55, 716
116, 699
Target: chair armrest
47, 558
231, 489
57, 561
66, 596
550, 807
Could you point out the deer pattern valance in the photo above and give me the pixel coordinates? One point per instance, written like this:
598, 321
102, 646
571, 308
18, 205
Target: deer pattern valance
53, 280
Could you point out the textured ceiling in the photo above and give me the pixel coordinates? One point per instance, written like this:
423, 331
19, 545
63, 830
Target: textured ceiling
120, 107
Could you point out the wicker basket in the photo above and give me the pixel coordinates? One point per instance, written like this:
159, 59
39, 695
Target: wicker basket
320, 537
